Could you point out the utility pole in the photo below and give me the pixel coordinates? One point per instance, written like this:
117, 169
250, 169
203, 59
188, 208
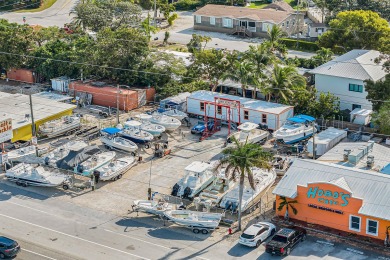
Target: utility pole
32, 117
155, 13
298, 16
117, 104
314, 146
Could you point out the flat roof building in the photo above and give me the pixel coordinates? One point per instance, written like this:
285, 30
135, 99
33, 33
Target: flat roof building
17, 107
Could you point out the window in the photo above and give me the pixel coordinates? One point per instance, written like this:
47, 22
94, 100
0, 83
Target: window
356, 88
266, 26
246, 115
201, 106
372, 227
282, 24
356, 106
354, 223
251, 24
264, 118
212, 20
198, 18
226, 22
287, 23
219, 110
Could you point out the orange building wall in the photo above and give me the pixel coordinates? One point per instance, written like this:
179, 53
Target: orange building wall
150, 93
331, 219
23, 75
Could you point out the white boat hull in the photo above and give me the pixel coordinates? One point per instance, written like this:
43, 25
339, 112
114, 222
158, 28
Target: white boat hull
254, 137
59, 153
21, 152
197, 189
114, 170
170, 123
294, 137
152, 207
194, 218
60, 126
89, 166
119, 143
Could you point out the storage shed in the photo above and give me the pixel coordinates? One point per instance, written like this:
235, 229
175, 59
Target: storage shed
178, 102
60, 84
325, 140
361, 116
238, 109
22, 75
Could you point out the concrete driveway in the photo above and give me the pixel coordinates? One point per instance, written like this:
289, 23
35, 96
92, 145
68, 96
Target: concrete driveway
56, 15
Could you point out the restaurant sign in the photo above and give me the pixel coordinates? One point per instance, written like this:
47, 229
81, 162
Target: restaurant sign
5, 130
329, 197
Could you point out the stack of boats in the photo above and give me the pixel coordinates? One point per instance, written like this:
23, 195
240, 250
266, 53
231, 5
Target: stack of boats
110, 139
296, 129
64, 125
17, 154
248, 132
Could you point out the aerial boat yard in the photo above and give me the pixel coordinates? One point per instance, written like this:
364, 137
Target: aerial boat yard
194, 130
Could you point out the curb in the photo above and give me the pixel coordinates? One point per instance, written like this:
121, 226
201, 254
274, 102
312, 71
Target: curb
355, 251
325, 243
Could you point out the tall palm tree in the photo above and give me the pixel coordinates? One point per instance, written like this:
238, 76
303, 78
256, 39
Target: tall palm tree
261, 56
281, 82
275, 34
239, 161
243, 72
287, 204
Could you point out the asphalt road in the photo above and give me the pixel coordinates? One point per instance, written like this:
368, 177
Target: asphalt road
49, 228
57, 14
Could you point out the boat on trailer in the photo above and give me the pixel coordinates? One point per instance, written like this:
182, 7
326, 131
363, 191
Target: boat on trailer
17, 154
170, 123
133, 132
180, 115
263, 179
198, 175
60, 152
194, 219
111, 141
154, 129
115, 169
152, 206
28, 175
64, 125
296, 129
248, 132
87, 167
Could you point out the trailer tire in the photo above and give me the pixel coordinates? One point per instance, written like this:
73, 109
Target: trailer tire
119, 176
196, 231
205, 231
65, 187
147, 146
24, 184
18, 183
133, 154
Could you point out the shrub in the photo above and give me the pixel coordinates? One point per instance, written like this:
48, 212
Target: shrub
302, 45
184, 5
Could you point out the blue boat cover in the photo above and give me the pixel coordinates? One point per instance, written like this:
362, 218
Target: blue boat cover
111, 130
301, 119
386, 169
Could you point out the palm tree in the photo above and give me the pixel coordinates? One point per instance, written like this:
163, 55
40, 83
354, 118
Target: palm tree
274, 36
287, 204
261, 56
243, 72
239, 161
281, 82
323, 55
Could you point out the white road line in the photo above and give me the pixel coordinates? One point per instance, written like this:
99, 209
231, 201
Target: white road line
68, 235
202, 258
35, 253
24, 206
154, 244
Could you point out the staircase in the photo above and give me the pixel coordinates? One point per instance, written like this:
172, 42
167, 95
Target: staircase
242, 31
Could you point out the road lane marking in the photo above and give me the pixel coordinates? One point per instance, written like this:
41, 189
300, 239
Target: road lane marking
137, 239
24, 206
66, 3
68, 235
35, 253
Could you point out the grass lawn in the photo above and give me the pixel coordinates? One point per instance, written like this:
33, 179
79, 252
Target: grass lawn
258, 5
46, 4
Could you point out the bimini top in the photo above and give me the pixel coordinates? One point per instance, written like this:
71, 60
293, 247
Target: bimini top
247, 126
197, 167
301, 119
133, 123
111, 130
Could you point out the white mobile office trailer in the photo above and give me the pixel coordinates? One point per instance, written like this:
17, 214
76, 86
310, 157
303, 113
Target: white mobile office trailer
325, 140
238, 109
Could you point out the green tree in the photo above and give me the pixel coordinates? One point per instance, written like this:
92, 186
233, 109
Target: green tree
173, 88
382, 118
287, 204
327, 105
281, 83
240, 160
275, 34
377, 91
357, 30
196, 41
322, 56
244, 73
166, 37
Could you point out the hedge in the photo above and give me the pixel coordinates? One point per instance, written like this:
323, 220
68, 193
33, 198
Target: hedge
302, 45
185, 5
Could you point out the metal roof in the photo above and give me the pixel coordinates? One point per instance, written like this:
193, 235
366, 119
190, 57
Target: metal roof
336, 155
356, 64
52, 96
17, 106
178, 99
249, 103
373, 188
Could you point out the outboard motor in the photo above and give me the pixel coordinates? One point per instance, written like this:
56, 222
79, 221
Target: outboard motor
175, 189
187, 192
80, 168
47, 159
228, 205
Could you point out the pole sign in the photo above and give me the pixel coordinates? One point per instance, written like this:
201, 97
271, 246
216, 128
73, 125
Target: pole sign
5, 130
3, 158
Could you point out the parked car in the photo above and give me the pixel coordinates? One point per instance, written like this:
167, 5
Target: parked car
285, 240
201, 127
257, 233
8, 247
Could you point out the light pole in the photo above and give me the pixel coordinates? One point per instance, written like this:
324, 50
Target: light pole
118, 91
150, 179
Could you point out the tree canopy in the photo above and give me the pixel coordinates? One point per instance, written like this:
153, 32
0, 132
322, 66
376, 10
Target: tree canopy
378, 91
357, 30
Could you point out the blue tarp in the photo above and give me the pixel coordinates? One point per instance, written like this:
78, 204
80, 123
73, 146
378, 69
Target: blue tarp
301, 119
111, 130
386, 169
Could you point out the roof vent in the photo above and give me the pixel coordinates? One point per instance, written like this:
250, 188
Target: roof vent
346, 153
370, 161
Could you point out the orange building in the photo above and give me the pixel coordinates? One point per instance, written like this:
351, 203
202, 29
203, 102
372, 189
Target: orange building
344, 198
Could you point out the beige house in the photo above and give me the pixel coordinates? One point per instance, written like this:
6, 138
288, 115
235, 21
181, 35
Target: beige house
248, 22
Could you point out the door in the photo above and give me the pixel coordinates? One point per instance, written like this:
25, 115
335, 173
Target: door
243, 24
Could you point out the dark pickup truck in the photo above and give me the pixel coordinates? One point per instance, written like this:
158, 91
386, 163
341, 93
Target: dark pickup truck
285, 240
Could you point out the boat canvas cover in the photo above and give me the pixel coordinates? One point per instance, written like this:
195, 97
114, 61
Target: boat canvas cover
301, 119
111, 130
76, 157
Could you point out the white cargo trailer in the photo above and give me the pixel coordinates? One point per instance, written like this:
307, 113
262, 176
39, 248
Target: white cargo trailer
325, 140
238, 109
